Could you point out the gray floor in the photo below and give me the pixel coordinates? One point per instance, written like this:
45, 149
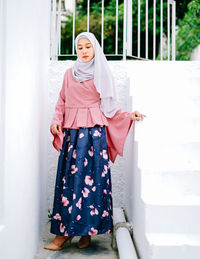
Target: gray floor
100, 247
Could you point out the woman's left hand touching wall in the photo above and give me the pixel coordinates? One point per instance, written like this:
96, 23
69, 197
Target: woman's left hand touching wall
56, 129
137, 116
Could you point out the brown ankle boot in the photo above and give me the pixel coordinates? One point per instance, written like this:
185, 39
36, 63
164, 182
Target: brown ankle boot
84, 241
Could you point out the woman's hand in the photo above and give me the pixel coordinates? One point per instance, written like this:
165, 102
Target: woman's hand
56, 128
137, 116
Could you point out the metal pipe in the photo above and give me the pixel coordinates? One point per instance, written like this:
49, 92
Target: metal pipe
59, 28
124, 31
73, 33
173, 30
102, 23
88, 16
116, 30
154, 30
54, 39
147, 17
129, 28
123, 238
168, 29
138, 28
161, 29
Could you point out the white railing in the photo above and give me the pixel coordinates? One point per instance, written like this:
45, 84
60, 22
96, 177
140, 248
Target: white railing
60, 7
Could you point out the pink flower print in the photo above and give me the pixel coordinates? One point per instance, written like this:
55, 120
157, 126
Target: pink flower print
107, 232
97, 133
62, 227
105, 191
74, 196
70, 209
88, 180
94, 188
69, 147
78, 217
93, 231
91, 206
85, 161
110, 193
85, 192
65, 201
68, 138
66, 233
78, 204
107, 181
64, 187
74, 169
81, 135
74, 154
64, 181
105, 170
57, 216
94, 212
105, 213
101, 153
91, 152
105, 155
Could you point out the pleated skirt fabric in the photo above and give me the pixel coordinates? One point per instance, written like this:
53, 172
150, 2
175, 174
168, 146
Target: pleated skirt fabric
83, 191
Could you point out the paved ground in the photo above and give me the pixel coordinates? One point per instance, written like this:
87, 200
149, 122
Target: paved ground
100, 248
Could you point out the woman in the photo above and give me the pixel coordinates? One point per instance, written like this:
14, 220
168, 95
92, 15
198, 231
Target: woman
88, 129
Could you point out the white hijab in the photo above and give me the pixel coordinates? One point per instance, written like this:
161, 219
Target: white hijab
98, 69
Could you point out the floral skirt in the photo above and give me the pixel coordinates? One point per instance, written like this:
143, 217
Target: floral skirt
83, 194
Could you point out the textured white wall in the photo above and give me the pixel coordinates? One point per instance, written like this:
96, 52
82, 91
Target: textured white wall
25, 45
118, 169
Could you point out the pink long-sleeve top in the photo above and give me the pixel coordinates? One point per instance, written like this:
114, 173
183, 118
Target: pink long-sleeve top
78, 106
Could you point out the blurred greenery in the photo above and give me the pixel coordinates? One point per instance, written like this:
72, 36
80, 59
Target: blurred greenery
187, 18
188, 36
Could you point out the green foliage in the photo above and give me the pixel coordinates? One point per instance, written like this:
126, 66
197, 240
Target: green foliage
187, 39
188, 36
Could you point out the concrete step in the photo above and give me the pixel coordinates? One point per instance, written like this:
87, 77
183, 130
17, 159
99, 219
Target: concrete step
171, 187
153, 155
172, 218
100, 248
172, 246
171, 201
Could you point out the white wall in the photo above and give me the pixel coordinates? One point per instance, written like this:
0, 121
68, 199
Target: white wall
162, 194
2, 106
24, 87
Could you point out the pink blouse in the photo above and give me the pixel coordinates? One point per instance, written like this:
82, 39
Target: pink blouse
78, 105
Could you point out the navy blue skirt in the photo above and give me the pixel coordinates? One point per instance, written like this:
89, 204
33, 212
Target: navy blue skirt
83, 194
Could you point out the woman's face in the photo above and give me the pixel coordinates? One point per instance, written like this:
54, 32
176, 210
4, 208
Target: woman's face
85, 50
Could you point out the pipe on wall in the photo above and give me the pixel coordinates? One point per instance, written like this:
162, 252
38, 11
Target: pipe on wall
122, 236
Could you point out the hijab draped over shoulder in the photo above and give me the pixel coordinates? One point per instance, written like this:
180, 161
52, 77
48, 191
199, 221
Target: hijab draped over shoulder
98, 69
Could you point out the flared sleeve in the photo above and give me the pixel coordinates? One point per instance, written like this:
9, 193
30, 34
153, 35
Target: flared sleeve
117, 131
58, 117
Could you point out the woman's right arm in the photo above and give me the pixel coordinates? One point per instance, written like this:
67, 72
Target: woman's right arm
58, 117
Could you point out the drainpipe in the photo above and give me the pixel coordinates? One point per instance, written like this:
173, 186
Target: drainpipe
121, 236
